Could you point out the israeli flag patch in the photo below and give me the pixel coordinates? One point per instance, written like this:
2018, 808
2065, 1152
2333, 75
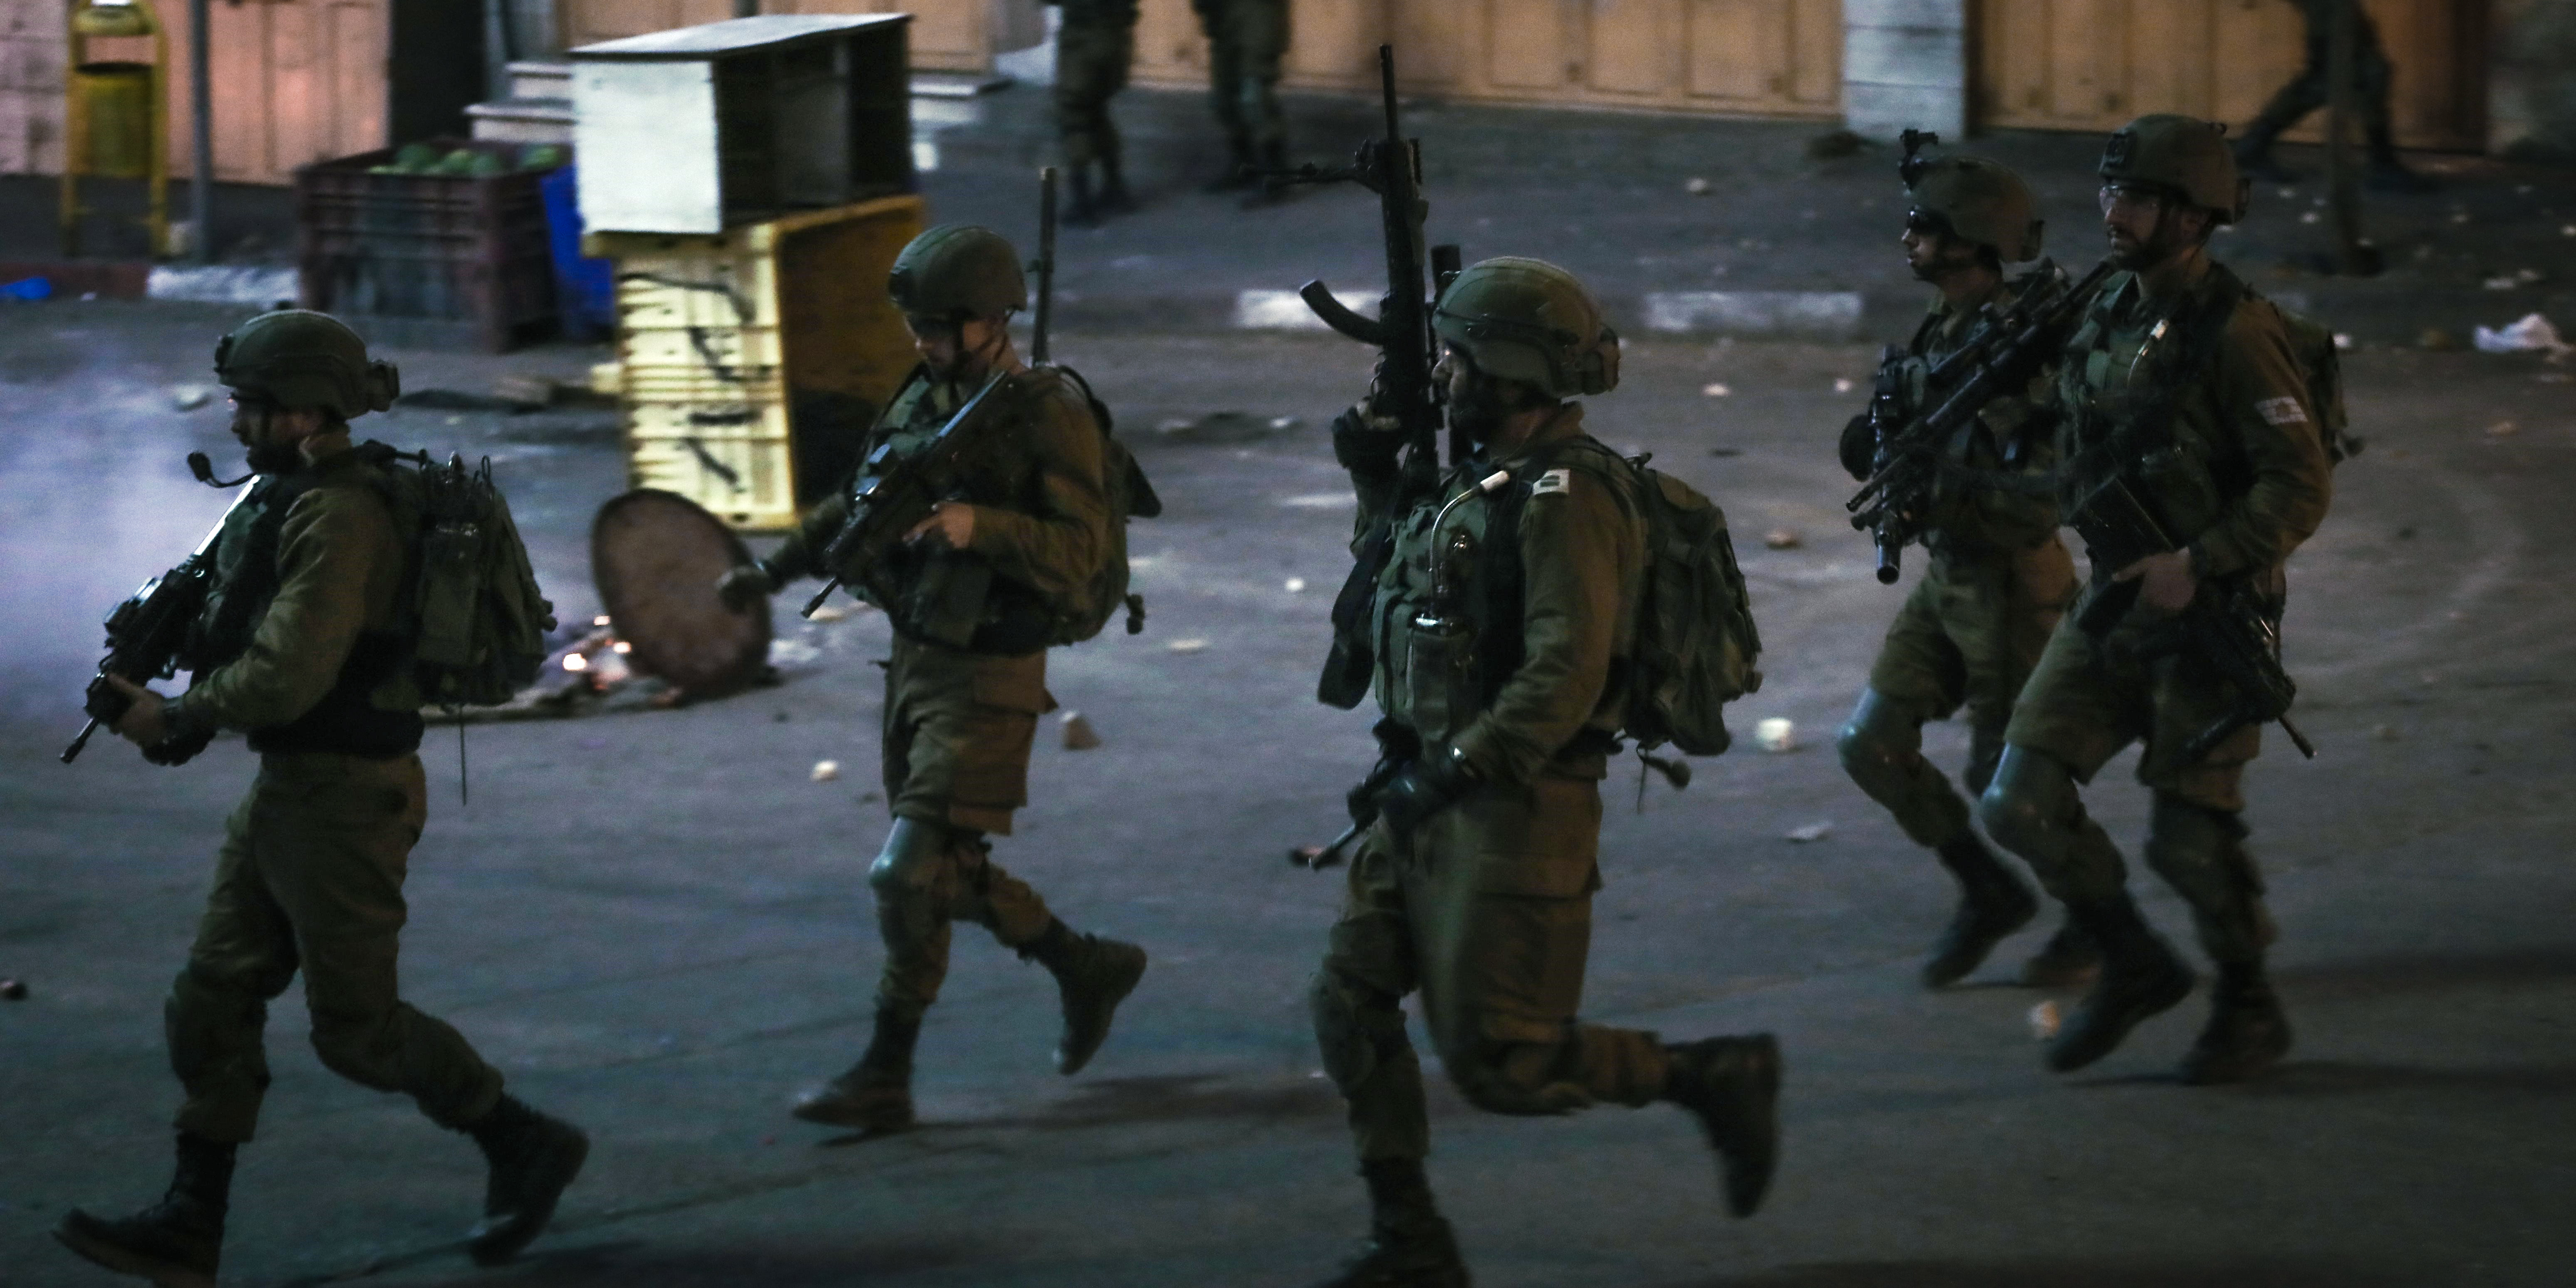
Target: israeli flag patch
1554, 481
2281, 411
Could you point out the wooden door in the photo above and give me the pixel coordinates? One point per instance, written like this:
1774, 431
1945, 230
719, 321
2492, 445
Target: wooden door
2095, 64
293, 82
946, 35
587, 22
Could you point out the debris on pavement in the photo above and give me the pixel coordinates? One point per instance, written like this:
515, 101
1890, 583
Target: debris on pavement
1810, 833
1188, 646
1844, 384
190, 397
1776, 734
1716, 390
1078, 733
1223, 427
787, 652
1295, 585
29, 289
825, 771
13, 990
2533, 334
1698, 187
2044, 1021
525, 392
830, 613
1782, 539
2503, 429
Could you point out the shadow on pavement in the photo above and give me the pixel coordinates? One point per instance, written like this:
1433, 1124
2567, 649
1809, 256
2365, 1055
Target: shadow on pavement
2233, 1273
771, 1264
2344, 1077
1174, 1096
2382, 976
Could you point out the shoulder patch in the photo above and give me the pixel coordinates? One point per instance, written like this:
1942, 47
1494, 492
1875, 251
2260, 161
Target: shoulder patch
2281, 411
1554, 481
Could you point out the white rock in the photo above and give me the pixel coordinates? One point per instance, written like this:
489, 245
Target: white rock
1188, 646
826, 770
2044, 1021
1776, 734
190, 397
1811, 832
1296, 585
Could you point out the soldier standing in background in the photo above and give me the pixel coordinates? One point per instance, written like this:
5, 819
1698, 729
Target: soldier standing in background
1095, 43
959, 721
2181, 384
1246, 40
1999, 578
2312, 88
303, 644
1503, 679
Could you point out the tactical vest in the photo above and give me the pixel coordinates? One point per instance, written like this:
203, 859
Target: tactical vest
346, 720
2128, 392
1973, 512
1447, 620
1008, 617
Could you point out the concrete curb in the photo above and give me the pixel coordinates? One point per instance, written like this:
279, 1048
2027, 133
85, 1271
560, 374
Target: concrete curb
224, 284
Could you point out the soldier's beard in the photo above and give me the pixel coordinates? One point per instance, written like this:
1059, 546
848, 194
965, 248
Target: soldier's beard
272, 458
1480, 407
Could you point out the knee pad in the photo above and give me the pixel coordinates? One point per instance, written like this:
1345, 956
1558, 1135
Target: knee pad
910, 859
2030, 806
2200, 852
1879, 744
1352, 1023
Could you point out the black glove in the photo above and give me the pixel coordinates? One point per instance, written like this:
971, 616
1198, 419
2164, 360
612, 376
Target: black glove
1859, 446
1421, 789
1364, 443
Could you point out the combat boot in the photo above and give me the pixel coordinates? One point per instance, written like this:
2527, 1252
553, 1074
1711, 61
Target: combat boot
2140, 977
1733, 1086
1093, 975
177, 1242
1993, 903
1237, 174
2070, 959
1270, 189
2246, 1034
1114, 197
532, 1158
875, 1095
1410, 1245
1080, 211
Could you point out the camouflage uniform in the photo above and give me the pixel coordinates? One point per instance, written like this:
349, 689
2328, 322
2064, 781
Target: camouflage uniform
311, 872
1502, 623
2313, 88
2240, 473
306, 641
1094, 46
1246, 41
959, 723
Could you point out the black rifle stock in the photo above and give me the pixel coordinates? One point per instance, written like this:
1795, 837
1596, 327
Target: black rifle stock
2001, 355
146, 633
2223, 625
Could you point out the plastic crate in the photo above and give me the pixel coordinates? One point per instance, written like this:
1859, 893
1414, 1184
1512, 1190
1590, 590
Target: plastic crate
467, 249
751, 362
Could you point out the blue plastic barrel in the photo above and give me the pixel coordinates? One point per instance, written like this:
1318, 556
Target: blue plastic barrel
585, 289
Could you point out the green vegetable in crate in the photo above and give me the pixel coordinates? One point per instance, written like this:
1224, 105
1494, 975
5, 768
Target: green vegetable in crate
460, 161
543, 156
415, 158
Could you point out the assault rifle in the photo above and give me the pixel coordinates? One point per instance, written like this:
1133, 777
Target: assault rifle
893, 493
1391, 167
2000, 355
2225, 625
147, 632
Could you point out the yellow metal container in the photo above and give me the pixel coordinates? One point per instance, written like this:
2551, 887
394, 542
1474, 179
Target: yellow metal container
116, 102
750, 362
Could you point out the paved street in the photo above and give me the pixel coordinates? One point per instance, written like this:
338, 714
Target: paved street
656, 924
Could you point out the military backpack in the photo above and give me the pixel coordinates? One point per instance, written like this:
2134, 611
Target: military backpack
1131, 496
1696, 646
479, 618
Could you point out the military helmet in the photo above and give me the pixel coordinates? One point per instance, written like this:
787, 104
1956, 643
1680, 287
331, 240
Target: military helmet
1983, 202
2183, 155
1528, 320
298, 358
958, 270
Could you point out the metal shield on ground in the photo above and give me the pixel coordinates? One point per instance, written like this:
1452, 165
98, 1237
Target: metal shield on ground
656, 557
